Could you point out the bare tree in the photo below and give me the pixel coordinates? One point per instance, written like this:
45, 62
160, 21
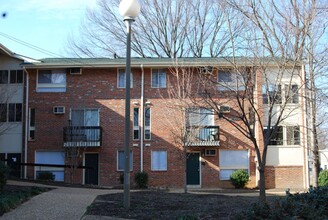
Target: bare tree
165, 28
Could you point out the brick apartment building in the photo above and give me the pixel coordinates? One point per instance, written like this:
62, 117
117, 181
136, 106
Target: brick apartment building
75, 116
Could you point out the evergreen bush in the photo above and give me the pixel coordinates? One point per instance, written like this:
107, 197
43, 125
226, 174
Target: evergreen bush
48, 176
323, 178
4, 172
141, 179
239, 178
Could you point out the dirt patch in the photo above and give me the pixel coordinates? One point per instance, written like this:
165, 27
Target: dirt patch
166, 205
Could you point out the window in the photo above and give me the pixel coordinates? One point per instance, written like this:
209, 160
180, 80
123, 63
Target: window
200, 117
32, 124
291, 93
16, 76
271, 94
51, 81
121, 79
229, 80
136, 124
277, 138
232, 160
293, 135
121, 160
147, 124
82, 120
159, 160
3, 112
3, 76
15, 112
50, 157
85, 117
158, 78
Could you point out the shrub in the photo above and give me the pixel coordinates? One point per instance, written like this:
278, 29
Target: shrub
4, 172
141, 179
323, 178
311, 205
239, 178
46, 176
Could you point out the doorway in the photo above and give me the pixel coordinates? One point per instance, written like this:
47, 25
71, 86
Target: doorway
193, 169
91, 162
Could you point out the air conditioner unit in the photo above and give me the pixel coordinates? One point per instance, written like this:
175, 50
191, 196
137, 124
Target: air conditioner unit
206, 70
75, 71
224, 109
210, 152
59, 110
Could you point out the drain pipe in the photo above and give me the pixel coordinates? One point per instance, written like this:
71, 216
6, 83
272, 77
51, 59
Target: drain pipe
142, 116
26, 122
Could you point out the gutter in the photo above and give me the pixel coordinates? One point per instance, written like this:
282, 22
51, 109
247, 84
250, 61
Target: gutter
142, 116
26, 121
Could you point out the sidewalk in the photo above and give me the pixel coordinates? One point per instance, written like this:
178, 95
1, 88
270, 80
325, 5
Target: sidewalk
60, 203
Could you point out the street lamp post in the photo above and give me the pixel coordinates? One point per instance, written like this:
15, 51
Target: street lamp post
129, 9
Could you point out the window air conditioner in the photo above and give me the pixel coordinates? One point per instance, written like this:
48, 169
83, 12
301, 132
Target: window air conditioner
206, 70
59, 110
224, 109
75, 71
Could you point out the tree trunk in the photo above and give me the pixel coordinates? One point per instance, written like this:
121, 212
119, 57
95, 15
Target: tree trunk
262, 198
185, 170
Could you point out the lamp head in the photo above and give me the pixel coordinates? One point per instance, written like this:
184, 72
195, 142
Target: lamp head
129, 9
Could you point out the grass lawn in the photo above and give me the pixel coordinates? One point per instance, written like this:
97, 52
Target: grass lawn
13, 196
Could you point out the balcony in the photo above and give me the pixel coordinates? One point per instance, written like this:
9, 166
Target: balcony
204, 136
83, 136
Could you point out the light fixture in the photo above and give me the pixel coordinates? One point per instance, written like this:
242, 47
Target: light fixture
129, 9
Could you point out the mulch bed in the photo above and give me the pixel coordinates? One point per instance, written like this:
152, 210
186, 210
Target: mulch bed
164, 205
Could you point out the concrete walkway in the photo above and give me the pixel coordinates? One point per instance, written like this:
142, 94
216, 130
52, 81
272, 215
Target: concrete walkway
60, 203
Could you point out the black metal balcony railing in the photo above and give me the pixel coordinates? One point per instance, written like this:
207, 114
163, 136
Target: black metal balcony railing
204, 135
83, 136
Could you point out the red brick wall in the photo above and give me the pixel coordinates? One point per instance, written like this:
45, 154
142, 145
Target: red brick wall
97, 88
284, 177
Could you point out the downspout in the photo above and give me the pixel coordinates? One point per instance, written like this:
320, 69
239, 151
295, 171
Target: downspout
305, 133
26, 122
141, 117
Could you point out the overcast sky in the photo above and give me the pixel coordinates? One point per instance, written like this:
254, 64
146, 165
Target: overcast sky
42, 23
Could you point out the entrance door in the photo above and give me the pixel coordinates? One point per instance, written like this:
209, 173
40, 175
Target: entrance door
13, 160
193, 169
91, 172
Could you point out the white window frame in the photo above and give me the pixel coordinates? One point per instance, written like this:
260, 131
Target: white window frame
60, 170
157, 72
52, 87
31, 128
118, 162
148, 127
230, 168
119, 85
158, 166
136, 127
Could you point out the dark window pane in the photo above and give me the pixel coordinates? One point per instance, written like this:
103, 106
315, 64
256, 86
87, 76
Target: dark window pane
3, 112
147, 117
224, 77
19, 111
19, 76
12, 112
13, 76
3, 77
32, 117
